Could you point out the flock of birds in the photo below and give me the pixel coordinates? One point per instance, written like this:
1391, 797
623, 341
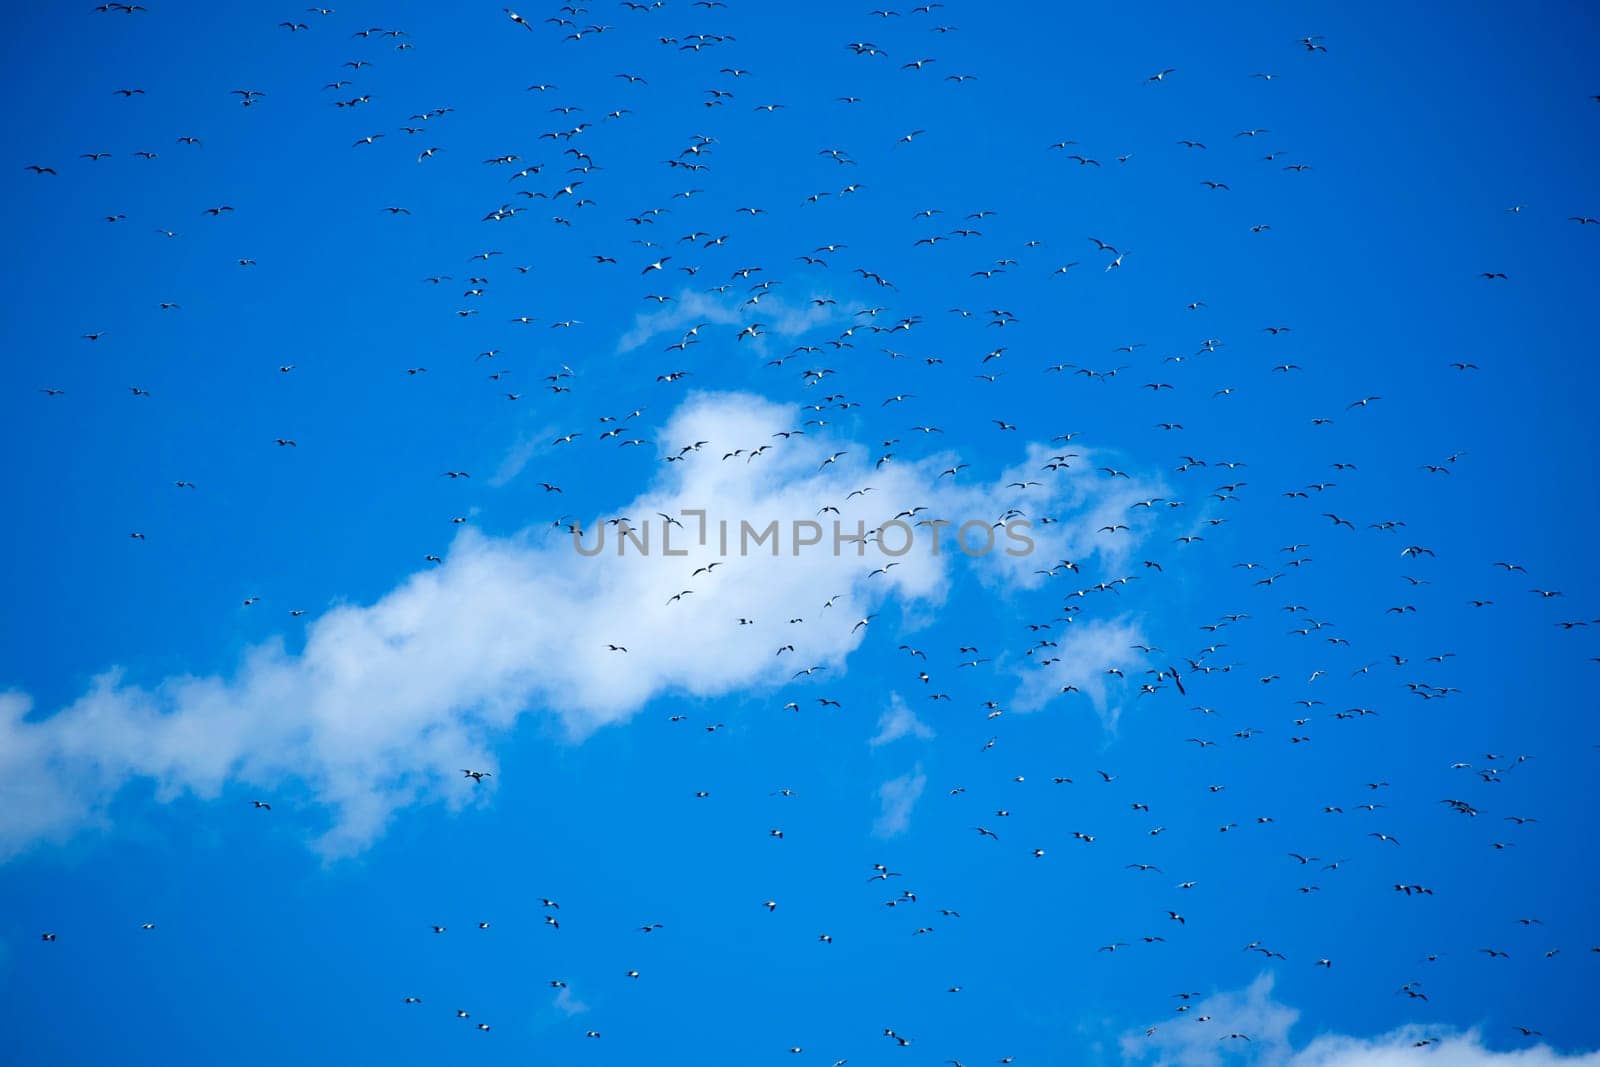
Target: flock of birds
689, 237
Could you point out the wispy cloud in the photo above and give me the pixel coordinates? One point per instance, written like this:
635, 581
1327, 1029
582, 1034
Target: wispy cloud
898, 796
1253, 1012
782, 315
532, 443
1405, 1048
899, 721
1078, 666
1187, 1042
569, 1004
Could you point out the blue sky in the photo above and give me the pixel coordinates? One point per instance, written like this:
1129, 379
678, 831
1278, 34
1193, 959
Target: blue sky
279, 633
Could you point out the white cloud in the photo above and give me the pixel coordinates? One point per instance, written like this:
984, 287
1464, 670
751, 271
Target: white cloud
387, 702
899, 721
532, 443
1084, 652
1184, 1041
782, 315
1401, 1049
568, 1004
898, 797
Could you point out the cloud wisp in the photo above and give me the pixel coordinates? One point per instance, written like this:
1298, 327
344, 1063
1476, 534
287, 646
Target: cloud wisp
778, 315
1263, 1026
898, 797
898, 721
